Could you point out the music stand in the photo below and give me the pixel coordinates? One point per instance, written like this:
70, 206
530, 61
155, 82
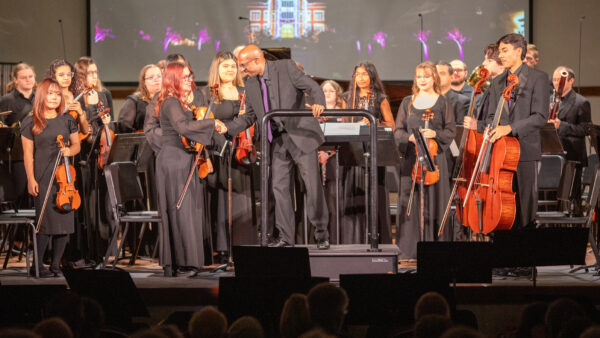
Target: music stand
550, 141
127, 147
425, 161
12, 149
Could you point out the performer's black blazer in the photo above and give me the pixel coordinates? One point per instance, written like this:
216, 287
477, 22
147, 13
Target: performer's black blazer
287, 86
529, 111
574, 114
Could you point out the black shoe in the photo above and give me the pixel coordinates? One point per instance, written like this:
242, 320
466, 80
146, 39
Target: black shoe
186, 272
500, 272
281, 244
44, 273
322, 244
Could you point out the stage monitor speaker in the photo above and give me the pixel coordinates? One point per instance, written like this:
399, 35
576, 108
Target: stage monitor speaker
460, 262
258, 261
261, 297
540, 247
113, 289
24, 304
387, 300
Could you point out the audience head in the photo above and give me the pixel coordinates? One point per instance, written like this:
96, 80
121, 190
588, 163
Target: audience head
23, 78
149, 83
426, 79
83, 315
170, 331
532, 319
328, 305
245, 327
87, 74
532, 56
591, 332
64, 73
492, 61
252, 60
432, 326
462, 332
444, 70
174, 58
559, 313
333, 94
53, 328
208, 323
295, 318
431, 303
17, 333
459, 72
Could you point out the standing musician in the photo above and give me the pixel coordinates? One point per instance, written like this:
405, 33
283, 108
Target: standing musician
133, 112
224, 73
426, 95
526, 114
275, 85
181, 230
366, 92
573, 115
87, 75
19, 101
39, 132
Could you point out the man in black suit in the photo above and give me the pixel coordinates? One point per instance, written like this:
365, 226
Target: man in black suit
272, 85
526, 114
574, 114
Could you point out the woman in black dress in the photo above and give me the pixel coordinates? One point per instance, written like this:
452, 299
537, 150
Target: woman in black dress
87, 74
40, 149
365, 92
224, 73
133, 113
426, 95
181, 231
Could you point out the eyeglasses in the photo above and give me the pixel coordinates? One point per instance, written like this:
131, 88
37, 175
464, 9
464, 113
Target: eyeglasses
458, 70
70, 74
153, 77
189, 77
244, 65
92, 72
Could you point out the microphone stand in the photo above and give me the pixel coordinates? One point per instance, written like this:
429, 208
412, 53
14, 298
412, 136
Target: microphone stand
421, 29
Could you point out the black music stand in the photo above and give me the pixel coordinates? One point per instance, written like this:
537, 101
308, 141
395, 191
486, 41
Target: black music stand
425, 161
11, 149
127, 147
550, 141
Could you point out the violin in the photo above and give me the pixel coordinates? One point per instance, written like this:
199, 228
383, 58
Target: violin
106, 138
67, 197
493, 202
431, 177
75, 114
245, 152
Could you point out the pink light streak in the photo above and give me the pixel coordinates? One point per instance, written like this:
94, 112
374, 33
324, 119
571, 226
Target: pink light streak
171, 37
422, 38
144, 36
102, 33
380, 37
358, 46
457, 37
202, 38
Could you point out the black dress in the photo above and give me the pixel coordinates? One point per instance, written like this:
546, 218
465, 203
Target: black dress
243, 217
132, 114
436, 195
181, 232
353, 220
55, 222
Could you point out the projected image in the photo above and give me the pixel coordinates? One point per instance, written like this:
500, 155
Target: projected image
328, 37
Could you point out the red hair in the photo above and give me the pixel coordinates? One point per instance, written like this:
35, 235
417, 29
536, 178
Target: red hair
39, 104
172, 82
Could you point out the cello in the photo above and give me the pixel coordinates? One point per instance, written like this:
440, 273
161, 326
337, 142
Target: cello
106, 138
470, 143
245, 152
493, 203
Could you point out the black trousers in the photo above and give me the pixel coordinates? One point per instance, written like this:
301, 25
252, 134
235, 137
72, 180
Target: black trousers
526, 187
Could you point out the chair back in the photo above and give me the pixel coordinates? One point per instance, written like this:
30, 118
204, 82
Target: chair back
550, 172
122, 182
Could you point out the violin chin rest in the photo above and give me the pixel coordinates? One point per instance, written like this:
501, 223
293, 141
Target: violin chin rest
66, 207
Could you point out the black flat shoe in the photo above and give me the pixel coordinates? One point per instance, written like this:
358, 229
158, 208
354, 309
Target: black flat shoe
44, 273
281, 244
323, 244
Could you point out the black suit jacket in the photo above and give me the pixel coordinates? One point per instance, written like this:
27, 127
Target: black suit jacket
529, 111
287, 86
460, 105
574, 114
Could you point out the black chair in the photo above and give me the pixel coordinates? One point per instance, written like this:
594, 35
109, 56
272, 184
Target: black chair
586, 220
564, 193
549, 178
21, 217
123, 185
588, 175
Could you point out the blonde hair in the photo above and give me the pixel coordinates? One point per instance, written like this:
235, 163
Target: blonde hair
427, 67
12, 85
142, 91
338, 91
213, 73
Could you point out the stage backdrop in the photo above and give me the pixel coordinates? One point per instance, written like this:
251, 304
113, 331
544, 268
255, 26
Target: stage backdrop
328, 37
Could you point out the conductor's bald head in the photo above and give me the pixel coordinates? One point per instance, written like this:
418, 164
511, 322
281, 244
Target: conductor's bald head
252, 60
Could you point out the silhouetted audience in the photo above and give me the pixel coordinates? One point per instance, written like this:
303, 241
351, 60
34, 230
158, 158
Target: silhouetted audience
559, 313
208, 323
295, 318
463, 332
17, 333
432, 326
84, 315
431, 303
53, 328
328, 305
246, 327
531, 323
316, 333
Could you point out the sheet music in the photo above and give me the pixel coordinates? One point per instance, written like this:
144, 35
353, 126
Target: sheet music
340, 129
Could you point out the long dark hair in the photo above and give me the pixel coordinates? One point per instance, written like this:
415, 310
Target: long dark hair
51, 73
376, 86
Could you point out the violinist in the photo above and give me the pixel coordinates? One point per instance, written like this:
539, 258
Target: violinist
87, 75
39, 132
133, 112
224, 73
365, 92
19, 101
527, 114
574, 113
181, 231
426, 95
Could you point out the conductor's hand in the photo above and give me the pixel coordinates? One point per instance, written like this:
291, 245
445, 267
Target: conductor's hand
317, 109
470, 123
33, 187
499, 132
429, 133
220, 127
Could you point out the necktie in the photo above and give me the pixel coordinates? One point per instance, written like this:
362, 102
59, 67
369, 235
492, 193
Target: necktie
263, 86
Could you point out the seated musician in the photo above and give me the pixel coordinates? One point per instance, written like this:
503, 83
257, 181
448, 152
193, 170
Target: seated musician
573, 115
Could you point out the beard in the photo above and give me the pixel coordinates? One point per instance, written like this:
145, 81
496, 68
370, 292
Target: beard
457, 82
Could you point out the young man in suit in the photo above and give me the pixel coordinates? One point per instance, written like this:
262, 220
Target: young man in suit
574, 114
272, 85
526, 114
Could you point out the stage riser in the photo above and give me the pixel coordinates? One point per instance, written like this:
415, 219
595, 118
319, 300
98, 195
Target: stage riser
334, 266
